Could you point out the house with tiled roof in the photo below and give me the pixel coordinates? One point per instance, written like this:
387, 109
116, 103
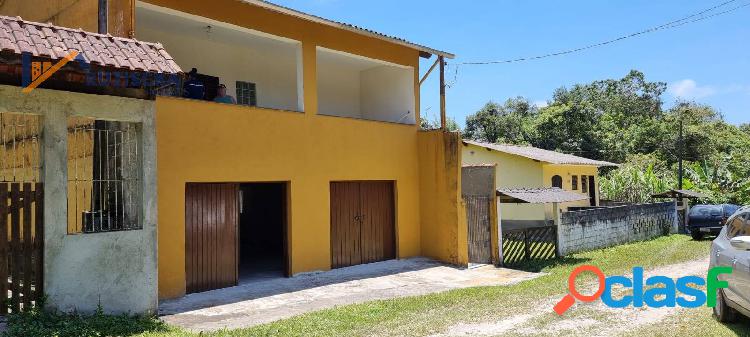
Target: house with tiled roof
168, 147
527, 167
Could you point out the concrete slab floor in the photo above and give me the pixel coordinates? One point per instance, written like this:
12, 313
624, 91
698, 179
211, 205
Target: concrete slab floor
268, 300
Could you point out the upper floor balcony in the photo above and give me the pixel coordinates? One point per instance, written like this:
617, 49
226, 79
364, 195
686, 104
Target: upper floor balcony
268, 71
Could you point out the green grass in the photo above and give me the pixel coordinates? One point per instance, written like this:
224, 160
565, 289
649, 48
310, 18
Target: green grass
695, 322
424, 315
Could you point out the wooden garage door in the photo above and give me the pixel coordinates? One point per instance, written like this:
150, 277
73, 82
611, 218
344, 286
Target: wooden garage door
211, 219
362, 222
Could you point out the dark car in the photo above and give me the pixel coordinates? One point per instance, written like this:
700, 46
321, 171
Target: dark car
708, 219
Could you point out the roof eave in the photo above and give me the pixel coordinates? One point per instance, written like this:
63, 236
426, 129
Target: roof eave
424, 50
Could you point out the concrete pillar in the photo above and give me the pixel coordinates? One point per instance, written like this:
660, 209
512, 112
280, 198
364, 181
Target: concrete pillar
557, 221
55, 179
499, 234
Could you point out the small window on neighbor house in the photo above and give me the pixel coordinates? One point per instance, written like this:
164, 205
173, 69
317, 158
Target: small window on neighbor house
557, 181
574, 183
246, 93
585, 184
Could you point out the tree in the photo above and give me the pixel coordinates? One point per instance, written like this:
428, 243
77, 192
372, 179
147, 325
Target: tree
506, 123
450, 124
605, 119
619, 119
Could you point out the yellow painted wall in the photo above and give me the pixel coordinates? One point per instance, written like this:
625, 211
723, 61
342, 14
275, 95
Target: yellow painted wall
517, 172
444, 229
567, 172
210, 142
512, 172
73, 13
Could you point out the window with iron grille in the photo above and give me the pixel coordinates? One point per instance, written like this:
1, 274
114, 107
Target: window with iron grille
575, 183
246, 93
104, 176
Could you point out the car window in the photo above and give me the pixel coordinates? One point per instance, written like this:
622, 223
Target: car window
730, 209
738, 225
699, 210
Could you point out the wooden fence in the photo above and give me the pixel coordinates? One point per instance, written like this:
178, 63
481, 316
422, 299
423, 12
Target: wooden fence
528, 244
21, 244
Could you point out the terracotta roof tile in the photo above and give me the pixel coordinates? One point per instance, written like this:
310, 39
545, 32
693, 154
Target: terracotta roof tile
39, 39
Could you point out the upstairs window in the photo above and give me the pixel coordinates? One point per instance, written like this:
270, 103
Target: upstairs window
246, 94
574, 182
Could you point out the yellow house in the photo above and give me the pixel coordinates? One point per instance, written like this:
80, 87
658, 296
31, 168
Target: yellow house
319, 164
530, 167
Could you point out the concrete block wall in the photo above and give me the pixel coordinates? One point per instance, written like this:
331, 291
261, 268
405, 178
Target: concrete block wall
117, 270
610, 226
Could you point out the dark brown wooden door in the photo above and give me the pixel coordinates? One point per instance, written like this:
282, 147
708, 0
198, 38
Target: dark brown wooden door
362, 222
211, 222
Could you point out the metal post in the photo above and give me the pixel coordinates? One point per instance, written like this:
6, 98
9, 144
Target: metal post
103, 16
680, 154
442, 92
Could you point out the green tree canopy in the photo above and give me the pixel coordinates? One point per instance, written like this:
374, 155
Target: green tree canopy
622, 120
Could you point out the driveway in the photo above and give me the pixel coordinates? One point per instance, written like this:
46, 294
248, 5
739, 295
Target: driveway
269, 300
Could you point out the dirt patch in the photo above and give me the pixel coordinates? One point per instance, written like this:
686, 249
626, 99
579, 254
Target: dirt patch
592, 319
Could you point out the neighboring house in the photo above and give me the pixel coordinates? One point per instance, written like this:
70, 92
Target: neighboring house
530, 167
320, 165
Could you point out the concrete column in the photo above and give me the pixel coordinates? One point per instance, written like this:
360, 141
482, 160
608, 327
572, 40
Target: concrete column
499, 234
557, 221
310, 77
55, 178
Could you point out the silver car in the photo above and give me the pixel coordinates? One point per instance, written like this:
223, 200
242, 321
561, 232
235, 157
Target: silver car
732, 248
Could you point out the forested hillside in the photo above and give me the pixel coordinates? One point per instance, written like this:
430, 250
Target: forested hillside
624, 121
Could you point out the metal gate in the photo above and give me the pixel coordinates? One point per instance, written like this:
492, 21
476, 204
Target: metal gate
480, 231
529, 244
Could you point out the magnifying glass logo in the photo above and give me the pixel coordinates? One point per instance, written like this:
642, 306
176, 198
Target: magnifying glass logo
568, 300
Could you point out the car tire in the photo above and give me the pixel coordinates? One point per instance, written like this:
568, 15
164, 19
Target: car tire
722, 312
697, 236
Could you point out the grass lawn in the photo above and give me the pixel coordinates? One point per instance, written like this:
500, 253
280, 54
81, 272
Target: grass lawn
428, 314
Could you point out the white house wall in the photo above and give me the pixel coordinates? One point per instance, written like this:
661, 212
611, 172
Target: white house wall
387, 94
